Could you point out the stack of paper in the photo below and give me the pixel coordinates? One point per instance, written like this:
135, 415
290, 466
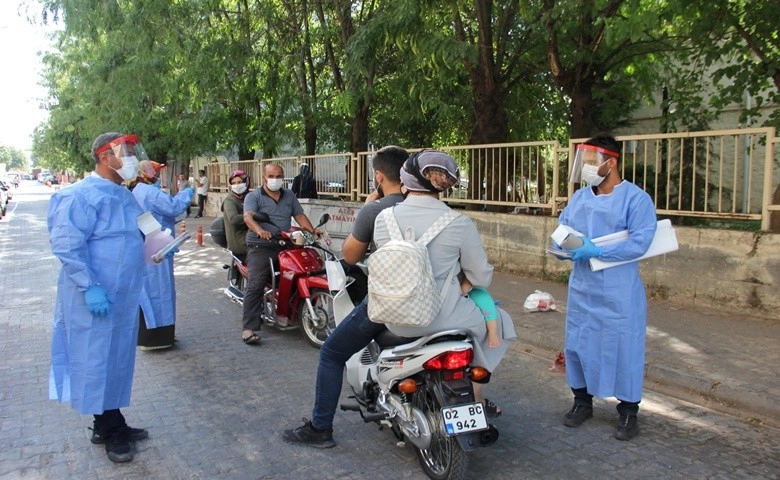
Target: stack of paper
664, 241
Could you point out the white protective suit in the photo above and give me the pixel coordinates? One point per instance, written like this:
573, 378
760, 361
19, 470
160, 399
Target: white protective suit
158, 299
94, 234
606, 315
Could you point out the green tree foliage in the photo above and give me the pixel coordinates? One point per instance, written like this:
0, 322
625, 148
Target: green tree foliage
13, 158
732, 48
256, 78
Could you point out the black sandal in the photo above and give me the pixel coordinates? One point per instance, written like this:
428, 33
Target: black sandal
253, 339
491, 409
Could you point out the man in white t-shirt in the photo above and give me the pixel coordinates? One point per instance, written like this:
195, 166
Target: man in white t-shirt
202, 191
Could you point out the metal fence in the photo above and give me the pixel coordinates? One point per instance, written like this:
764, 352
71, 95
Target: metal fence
723, 174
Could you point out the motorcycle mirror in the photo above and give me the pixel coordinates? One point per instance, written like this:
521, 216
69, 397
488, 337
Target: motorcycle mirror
261, 217
324, 219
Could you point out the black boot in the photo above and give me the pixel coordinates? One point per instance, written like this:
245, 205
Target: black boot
582, 409
628, 425
111, 428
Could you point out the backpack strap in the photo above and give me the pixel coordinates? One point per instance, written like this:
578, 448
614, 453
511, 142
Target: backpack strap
392, 225
438, 226
431, 233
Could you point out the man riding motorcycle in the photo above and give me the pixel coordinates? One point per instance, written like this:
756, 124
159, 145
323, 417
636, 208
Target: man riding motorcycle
281, 205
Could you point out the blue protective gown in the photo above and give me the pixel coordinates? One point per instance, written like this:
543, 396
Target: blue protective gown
93, 230
158, 298
607, 310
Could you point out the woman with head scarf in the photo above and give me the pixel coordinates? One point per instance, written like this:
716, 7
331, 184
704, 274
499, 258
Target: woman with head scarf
303, 184
233, 214
425, 175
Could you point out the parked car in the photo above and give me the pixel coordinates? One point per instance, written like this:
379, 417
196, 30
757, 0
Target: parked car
3, 200
49, 178
8, 188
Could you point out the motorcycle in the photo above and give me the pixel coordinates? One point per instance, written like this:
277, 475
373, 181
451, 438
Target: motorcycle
297, 294
421, 390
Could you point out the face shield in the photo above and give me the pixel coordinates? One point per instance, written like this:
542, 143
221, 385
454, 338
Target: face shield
589, 155
149, 170
129, 150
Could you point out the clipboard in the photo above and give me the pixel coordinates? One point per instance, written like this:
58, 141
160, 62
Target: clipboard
664, 241
161, 253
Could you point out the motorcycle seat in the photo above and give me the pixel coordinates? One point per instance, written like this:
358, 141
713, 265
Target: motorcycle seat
388, 339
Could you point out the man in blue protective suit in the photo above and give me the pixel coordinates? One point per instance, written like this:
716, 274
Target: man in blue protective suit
607, 310
94, 233
158, 298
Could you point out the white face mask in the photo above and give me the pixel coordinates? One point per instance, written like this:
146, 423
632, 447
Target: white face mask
238, 188
590, 174
129, 168
274, 184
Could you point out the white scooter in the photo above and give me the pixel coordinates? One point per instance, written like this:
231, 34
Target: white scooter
420, 389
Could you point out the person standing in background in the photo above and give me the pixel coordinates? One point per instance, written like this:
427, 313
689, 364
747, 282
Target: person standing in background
203, 190
303, 185
93, 232
181, 184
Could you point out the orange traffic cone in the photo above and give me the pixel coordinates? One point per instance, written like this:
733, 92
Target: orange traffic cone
200, 236
183, 227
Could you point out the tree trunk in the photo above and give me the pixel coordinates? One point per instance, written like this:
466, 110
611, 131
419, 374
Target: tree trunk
310, 138
360, 128
581, 110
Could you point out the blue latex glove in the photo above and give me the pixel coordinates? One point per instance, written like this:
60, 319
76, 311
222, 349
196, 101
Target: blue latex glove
587, 251
192, 191
97, 301
170, 254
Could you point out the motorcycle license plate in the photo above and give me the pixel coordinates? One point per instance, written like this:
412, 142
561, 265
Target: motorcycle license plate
464, 418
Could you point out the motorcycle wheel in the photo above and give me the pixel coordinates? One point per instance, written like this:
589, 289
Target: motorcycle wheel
443, 459
316, 330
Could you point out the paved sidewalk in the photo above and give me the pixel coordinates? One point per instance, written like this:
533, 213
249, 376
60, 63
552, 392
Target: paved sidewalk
712, 359
708, 358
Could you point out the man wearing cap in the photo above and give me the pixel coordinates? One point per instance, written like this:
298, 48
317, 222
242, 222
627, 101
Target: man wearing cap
93, 232
606, 316
158, 299
425, 175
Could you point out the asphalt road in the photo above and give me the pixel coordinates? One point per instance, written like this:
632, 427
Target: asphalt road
215, 408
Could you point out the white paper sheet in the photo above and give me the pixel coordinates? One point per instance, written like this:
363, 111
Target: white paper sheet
664, 241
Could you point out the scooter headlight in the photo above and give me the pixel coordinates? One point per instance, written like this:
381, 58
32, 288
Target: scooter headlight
298, 237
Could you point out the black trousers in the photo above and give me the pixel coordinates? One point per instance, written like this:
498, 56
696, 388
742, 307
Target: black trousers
201, 204
258, 260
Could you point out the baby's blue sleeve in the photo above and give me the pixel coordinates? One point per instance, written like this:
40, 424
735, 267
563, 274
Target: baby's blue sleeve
485, 303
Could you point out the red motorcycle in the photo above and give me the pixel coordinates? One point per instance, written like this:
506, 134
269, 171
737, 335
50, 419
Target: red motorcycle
297, 295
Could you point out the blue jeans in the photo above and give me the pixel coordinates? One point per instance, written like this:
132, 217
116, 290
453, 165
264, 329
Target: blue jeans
353, 333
